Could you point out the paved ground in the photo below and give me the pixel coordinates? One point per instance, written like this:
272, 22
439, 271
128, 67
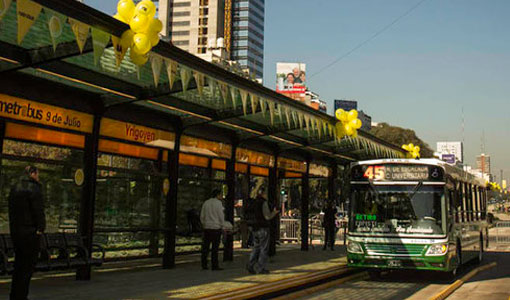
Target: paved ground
146, 280
492, 284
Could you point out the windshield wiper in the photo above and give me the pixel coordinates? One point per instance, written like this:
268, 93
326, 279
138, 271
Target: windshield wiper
415, 190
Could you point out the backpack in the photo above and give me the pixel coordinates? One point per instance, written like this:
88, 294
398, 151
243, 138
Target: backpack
250, 211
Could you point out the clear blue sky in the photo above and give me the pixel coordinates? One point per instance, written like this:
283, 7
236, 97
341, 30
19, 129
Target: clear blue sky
418, 74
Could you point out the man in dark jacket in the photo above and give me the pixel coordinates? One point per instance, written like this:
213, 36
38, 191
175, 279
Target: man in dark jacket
329, 225
27, 223
260, 231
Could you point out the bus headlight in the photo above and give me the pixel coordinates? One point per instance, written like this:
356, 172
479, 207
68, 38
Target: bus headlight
354, 247
437, 249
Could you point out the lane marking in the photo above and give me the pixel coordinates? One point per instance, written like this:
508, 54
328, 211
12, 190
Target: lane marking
275, 285
458, 283
324, 286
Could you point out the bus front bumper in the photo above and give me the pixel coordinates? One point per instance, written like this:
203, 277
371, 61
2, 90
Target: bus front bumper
433, 263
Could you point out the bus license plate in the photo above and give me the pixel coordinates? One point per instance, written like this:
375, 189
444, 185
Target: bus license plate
394, 263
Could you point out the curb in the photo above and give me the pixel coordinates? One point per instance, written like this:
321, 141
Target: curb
458, 283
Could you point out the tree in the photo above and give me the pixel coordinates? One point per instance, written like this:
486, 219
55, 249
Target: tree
400, 136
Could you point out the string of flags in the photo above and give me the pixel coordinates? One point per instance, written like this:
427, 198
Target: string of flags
143, 35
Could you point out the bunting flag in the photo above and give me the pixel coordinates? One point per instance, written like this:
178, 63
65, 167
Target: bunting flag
27, 12
287, 116
224, 92
55, 23
280, 114
307, 123
319, 127
185, 78
81, 32
263, 106
325, 128
300, 120
233, 94
120, 51
213, 86
200, 81
156, 64
100, 40
244, 99
271, 111
294, 117
4, 7
254, 102
171, 71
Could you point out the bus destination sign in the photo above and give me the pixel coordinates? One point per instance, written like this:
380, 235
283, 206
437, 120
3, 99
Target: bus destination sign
397, 172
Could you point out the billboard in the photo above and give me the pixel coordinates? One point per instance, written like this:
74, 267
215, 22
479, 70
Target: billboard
451, 148
291, 80
449, 158
346, 105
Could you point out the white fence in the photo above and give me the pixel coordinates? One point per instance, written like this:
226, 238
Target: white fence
290, 230
502, 232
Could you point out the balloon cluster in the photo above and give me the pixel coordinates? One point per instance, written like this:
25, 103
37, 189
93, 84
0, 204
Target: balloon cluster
493, 186
144, 32
413, 151
349, 122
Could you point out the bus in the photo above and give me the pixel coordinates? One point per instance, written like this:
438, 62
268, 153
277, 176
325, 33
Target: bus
420, 214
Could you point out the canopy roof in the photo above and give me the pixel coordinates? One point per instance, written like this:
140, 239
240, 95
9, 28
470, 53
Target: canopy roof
203, 100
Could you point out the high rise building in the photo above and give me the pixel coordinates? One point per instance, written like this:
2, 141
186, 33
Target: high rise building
190, 24
198, 26
248, 35
456, 148
483, 163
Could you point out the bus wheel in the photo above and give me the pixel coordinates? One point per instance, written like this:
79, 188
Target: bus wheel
480, 252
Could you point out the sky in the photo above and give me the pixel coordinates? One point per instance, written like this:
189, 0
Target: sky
445, 57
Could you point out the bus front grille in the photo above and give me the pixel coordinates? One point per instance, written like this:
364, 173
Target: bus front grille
394, 249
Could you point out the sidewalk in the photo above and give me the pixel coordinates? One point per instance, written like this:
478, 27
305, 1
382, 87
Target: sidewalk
146, 279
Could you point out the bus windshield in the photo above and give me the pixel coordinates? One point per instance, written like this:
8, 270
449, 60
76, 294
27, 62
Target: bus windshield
409, 209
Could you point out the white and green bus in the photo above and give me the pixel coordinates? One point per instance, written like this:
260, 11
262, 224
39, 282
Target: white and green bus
415, 214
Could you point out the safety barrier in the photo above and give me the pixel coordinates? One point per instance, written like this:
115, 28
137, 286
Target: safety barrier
290, 230
502, 232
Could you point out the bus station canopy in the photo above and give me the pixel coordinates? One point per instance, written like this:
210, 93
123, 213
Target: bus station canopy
200, 98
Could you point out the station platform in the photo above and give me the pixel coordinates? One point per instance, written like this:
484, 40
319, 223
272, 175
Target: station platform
145, 279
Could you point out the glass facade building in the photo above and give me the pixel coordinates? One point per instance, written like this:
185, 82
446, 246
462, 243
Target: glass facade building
248, 35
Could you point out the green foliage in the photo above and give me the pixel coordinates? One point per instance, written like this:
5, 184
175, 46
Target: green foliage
400, 136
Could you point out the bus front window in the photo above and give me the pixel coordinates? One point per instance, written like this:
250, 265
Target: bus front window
397, 209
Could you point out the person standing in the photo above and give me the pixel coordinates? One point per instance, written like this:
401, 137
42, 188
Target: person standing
212, 218
329, 225
260, 230
27, 223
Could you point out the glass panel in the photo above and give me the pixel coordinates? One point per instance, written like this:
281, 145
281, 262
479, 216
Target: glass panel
291, 165
254, 157
291, 198
57, 167
205, 147
128, 149
398, 209
129, 206
30, 133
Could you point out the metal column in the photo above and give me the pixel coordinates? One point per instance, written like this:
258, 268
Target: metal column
228, 252
171, 203
272, 198
88, 199
305, 195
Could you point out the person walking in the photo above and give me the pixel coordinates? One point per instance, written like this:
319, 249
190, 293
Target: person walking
212, 218
260, 230
27, 223
329, 225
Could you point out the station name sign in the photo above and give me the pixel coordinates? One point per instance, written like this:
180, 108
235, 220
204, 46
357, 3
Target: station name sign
397, 172
35, 112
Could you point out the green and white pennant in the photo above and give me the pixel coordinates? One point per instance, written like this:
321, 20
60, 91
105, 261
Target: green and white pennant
171, 71
254, 102
185, 78
200, 81
244, 100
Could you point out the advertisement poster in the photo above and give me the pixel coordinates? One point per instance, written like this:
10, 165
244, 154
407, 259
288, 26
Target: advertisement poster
291, 80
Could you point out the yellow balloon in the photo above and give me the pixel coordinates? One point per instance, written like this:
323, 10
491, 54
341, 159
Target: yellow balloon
353, 114
126, 39
138, 59
126, 8
405, 147
155, 25
141, 43
355, 133
340, 131
356, 123
411, 146
338, 113
344, 117
348, 129
139, 23
154, 38
146, 8
417, 148
120, 18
